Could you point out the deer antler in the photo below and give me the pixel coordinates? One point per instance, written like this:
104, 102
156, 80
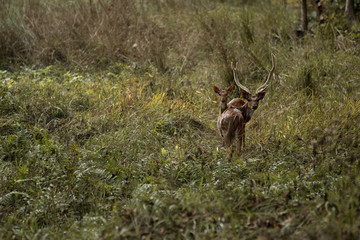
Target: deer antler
242, 87
263, 87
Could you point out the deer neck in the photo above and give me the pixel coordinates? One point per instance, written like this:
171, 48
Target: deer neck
223, 107
247, 112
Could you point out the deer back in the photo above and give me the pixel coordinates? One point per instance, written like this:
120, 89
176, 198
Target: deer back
236, 103
228, 123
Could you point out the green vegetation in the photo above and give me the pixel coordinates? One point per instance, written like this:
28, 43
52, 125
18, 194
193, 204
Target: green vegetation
108, 122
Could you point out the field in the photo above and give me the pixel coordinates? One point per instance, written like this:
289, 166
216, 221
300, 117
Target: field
108, 121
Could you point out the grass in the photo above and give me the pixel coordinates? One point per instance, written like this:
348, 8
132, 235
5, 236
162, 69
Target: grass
102, 144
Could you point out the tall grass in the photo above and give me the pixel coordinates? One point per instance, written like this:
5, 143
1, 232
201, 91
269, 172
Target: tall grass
168, 34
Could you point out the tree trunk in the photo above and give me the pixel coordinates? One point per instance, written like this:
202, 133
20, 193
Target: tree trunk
304, 22
350, 12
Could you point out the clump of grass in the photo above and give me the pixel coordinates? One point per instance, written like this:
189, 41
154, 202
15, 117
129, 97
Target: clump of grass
305, 81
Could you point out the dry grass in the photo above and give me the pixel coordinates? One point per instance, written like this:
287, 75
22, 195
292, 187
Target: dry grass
90, 32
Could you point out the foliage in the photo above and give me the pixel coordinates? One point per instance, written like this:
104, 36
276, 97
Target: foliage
116, 138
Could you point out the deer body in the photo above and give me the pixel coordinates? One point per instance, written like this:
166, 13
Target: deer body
230, 123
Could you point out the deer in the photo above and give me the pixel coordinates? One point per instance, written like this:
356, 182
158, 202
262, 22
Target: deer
234, 115
247, 108
230, 122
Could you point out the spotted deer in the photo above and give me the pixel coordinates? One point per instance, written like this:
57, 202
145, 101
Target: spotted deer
234, 115
230, 122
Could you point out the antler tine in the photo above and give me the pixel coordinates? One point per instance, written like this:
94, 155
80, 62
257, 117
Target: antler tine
263, 87
236, 79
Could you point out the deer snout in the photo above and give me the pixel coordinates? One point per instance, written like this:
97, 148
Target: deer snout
254, 107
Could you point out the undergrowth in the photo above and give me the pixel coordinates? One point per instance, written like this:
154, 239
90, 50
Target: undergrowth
113, 135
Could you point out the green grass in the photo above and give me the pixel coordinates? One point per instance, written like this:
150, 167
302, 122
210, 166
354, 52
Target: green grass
128, 149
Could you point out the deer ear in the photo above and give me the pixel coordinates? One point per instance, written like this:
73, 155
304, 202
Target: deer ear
261, 95
230, 89
246, 95
217, 90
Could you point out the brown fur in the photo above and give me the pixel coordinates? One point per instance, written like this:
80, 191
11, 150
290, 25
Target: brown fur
231, 122
231, 125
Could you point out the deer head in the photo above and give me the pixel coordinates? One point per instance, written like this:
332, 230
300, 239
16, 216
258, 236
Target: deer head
223, 97
253, 100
